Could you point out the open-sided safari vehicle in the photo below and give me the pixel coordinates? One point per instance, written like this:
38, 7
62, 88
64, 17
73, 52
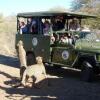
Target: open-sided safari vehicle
60, 40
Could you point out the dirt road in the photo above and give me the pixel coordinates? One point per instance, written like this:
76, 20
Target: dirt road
64, 84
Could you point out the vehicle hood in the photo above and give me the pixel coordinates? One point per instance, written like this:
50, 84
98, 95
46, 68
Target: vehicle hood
88, 45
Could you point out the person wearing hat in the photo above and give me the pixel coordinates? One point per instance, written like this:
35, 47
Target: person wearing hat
74, 25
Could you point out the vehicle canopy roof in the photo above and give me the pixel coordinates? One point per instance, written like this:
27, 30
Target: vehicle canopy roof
55, 13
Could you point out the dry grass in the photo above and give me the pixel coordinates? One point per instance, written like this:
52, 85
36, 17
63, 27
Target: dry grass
7, 34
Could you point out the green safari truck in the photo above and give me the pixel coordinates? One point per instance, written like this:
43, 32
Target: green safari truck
49, 35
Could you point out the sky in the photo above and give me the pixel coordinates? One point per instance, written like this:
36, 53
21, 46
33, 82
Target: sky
10, 7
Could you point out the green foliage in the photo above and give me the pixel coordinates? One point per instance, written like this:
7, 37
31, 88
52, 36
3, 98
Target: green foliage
77, 4
93, 23
89, 7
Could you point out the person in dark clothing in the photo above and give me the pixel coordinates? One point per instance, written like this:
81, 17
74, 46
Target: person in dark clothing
29, 23
58, 23
32, 26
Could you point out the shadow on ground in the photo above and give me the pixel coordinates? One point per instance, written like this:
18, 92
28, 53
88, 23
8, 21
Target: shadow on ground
6, 74
59, 89
62, 72
65, 86
68, 73
9, 61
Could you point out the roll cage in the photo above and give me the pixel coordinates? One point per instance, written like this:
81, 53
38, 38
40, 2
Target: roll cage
52, 14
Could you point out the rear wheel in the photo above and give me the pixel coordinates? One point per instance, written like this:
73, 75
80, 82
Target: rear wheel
30, 59
87, 72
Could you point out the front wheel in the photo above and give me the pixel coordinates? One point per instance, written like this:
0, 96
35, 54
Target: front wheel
87, 72
30, 59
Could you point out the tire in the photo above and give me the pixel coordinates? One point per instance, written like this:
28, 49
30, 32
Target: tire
87, 72
30, 59
57, 66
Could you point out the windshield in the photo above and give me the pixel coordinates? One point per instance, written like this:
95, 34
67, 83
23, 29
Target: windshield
89, 36
84, 34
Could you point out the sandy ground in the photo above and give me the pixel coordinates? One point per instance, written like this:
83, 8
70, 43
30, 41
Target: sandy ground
64, 84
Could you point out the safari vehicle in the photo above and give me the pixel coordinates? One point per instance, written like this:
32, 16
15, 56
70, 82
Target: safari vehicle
81, 51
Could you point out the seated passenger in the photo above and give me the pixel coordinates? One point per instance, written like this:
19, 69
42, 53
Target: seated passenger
58, 23
29, 23
64, 39
52, 38
46, 28
23, 27
70, 39
74, 25
34, 26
